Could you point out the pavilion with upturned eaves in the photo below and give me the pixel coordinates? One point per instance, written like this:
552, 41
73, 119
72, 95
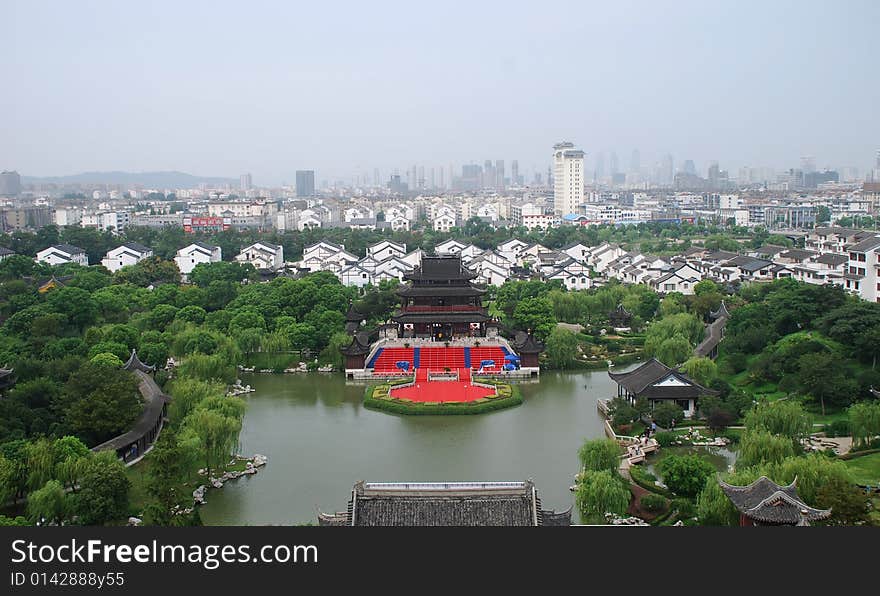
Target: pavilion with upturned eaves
765, 503
441, 326
657, 383
441, 302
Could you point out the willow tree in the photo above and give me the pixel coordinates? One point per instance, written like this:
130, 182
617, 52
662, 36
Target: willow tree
785, 417
212, 429
864, 421
602, 492
758, 447
600, 454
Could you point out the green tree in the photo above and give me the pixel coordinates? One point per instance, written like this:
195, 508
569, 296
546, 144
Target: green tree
48, 504
204, 274
713, 506
562, 349
164, 479
104, 487
758, 447
212, 435
685, 474
100, 402
701, 370
823, 376
601, 492
785, 417
848, 503
864, 421
107, 359
667, 413
600, 454
535, 314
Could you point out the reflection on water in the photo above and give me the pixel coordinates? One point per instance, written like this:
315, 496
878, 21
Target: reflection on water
320, 440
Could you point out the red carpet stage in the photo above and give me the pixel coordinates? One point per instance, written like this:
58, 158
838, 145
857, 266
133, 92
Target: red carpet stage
442, 391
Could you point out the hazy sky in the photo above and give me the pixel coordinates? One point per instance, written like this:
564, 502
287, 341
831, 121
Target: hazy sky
222, 88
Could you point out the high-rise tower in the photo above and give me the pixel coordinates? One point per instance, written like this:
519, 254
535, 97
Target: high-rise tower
568, 178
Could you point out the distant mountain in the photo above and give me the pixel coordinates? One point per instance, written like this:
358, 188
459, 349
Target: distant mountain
157, 180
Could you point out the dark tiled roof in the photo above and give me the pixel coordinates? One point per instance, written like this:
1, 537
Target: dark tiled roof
412, 291
640, 382
833, 259
446, 504
747, 263
445, 268
68, 248
767, 502
5, 251
360, 344
769, 250
797, 254
134, 363
135, 246
865, 245
442, 317
528, 344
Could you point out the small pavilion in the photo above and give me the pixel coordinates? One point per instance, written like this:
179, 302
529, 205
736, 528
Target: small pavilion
765, 503
657, 383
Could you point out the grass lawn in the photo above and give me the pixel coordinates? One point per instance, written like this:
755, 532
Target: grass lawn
865, 469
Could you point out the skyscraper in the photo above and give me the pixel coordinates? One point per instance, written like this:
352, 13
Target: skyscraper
689, 168
488, 174
305, 183
667, 169
499, 174
568, 180
245, 182
808, 164
514, 173
600, 167
613, 164
635, 162
10, 183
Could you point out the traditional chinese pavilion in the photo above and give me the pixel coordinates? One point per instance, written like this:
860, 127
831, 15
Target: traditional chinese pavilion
656, 382
765, 503
441, 302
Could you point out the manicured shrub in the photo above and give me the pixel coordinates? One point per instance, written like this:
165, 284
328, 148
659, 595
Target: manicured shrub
685, 474
665, 438
653, 503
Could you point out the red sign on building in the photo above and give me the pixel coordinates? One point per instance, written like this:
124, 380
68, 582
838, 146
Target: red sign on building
206, 224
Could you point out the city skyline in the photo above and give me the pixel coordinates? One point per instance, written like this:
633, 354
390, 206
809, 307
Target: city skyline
610, 79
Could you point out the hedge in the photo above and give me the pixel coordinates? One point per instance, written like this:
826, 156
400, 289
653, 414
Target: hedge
640, 477
379, 398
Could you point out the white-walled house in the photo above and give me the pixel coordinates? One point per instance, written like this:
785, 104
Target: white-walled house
198, 252
262, 255
681, 279
355, 275
125, 255
450, 247
443, 222
489, 273
577, 251
61, 254
385, 249
574, 275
